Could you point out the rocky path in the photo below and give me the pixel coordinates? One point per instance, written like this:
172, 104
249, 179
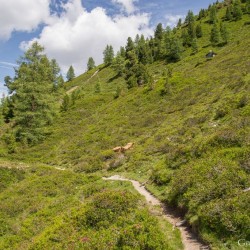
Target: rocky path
189, 240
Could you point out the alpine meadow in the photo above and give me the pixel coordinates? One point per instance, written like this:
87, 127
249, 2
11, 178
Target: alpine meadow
148, 151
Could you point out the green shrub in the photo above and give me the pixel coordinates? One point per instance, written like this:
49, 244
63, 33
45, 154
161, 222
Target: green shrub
107, 206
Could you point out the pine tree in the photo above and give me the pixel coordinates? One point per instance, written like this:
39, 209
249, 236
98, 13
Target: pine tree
129, 47
213, 14
229, 16
194, 45
191, 31
97, 88
65, 103
55, 71
118, 64
143, 51
237, 11
202, 14
60, 81
215, 35
175, 50
7, 106
108, 55
159, 32
117, 92
70, 74
248, 6
224, 33
90, 64
190, 17
122, 52
198, 31
32, 94
185, 38
179, 23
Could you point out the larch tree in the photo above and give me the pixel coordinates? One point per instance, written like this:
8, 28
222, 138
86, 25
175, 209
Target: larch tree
229, 15
190, 17
32, 95
224, 33
198, 31
90, 64
108, 55
215, 34
70, 73
213, 14
237, 11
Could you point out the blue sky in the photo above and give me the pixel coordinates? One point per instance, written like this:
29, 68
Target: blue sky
73, 30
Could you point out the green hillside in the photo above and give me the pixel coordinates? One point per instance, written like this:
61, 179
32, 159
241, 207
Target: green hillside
190, 126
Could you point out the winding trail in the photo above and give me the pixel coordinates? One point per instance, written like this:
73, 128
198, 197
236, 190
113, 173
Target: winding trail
189, 240
76, 87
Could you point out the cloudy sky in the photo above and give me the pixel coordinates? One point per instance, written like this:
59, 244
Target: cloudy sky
73, 30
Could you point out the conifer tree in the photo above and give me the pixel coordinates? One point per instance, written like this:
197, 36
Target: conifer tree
198, 31
32, 90
90, 64
215, 34
129, 47
143, 51
248, 6
60, 81
175, 50
202, 14
229, 16
191, 31
97, 88
118, 64
213, 14
237, 11
7, 106
108, 55
159, 32
70, 73
65, 103
55, 71
185, 37
122, 52
194, 45
190, 17
224, 33
179, 23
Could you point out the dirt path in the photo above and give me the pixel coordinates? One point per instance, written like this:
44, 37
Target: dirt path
189, 240
76, 87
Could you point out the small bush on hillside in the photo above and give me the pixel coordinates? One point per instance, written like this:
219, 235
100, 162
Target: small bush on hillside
221, 112
107, 206
161, 174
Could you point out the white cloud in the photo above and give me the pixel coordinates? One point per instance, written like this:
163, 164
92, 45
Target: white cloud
128, 5
76, 34
172, 20
22, 15
9, 64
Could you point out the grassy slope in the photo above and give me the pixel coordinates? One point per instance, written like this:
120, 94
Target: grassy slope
192, 143
45, 208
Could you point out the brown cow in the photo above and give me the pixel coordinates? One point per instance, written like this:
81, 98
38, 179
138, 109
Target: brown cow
117, 149
123, 149
128, 146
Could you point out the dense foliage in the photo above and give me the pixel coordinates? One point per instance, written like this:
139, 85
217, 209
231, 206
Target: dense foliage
188, 114
45, 208
31, 105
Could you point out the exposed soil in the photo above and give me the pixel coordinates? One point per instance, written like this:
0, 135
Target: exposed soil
189, 239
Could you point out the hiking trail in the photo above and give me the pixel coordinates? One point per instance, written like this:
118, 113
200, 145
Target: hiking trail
189, 240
